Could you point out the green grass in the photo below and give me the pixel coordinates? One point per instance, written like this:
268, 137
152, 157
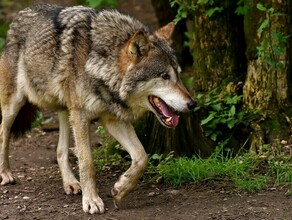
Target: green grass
248, 172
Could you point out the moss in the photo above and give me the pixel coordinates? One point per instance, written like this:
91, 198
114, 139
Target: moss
272, 124
276, 128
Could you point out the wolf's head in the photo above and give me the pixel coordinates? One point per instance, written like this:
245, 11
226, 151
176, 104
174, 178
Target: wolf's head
150, 74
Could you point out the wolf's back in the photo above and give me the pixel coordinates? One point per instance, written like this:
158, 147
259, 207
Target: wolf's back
53, 38
59, 31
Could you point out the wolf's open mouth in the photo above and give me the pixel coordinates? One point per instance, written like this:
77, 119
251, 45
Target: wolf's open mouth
163, 111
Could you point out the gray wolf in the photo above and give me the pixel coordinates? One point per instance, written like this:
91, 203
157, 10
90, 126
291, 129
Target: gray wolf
88, 65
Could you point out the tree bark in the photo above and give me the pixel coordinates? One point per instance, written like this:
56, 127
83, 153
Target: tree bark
267, 88
186, 139
218, 46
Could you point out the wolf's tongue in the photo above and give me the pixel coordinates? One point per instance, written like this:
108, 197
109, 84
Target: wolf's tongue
169, 114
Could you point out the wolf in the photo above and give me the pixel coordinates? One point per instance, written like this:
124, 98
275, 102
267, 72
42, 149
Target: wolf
88, 65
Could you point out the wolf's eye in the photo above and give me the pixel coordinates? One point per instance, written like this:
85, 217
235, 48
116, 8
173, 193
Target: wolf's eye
165, 76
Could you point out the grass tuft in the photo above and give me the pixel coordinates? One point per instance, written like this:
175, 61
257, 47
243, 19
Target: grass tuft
248, 172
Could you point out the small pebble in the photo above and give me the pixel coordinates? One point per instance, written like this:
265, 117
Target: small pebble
174, 192
151, 194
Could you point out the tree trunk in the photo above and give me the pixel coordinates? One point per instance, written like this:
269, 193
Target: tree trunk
218, 46
186, 139
268, 80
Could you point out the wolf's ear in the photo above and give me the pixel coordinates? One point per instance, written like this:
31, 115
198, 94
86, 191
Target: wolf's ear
138, 46
165, 32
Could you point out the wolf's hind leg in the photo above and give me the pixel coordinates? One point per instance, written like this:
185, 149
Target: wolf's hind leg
10, 110
126, 135
5, 174
70, 183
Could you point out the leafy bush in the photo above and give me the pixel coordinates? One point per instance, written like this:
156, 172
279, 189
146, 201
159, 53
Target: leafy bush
187, 8
223, 115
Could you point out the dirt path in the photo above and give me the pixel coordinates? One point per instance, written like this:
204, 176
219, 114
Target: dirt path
38, 193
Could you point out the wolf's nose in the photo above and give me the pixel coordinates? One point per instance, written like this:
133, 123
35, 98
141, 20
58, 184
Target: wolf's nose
192, 104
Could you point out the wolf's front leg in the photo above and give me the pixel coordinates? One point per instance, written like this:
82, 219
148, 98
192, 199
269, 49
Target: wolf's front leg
125, 134
91, 202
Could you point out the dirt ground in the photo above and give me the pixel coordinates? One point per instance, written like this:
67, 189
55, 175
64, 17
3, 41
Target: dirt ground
38, 192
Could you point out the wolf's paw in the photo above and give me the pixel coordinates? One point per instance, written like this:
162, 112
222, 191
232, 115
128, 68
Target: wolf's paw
93, 204
121, 189
72, 188
6, 178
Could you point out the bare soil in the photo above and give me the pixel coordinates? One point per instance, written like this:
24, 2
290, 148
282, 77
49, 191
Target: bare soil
38, 192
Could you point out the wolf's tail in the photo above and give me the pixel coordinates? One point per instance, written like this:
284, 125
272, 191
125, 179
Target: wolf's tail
24, 120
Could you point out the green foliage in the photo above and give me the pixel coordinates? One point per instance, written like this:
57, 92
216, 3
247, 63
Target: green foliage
248, 172
222, 112
101, 3
273, 43
183, 9
111, 154
155, 160
100, 131
241, 8
108, 158
210, 12
2, 43
38, 121
187, 7
3, 31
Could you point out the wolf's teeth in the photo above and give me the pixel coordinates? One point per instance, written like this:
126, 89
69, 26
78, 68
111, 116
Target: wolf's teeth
168, 119
156, 100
